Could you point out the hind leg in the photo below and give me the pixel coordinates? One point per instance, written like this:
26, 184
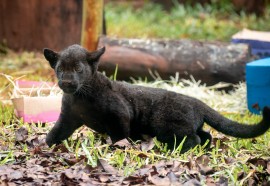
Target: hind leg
204, 137
190, 142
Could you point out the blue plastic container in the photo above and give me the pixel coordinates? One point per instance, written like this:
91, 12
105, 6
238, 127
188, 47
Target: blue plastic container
258, 85
259, 48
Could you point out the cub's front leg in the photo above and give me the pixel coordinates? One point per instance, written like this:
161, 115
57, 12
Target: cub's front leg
63, 128
119, 128
118, 121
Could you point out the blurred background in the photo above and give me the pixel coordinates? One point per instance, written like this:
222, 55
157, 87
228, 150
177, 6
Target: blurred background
141, 36
34, 24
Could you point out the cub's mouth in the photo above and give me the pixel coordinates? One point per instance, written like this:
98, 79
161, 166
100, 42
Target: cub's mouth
69, 90
68, 87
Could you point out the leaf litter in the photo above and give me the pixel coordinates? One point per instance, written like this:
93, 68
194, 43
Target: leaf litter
60, 166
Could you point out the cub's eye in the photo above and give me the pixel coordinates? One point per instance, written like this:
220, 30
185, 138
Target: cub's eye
78, 69
59, 69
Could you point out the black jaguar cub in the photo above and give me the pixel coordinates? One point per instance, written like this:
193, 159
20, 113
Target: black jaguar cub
123, 110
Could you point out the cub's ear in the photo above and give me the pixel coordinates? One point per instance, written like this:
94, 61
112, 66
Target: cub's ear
94, 56
51, 56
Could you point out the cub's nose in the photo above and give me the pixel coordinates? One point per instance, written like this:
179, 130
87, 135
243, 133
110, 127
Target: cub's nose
68, 86
66, 83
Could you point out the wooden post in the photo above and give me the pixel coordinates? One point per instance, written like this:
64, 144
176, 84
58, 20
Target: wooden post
92, 23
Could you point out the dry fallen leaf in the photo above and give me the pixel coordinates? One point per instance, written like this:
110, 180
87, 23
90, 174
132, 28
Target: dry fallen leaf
156, 180
172, 177
229, 160
33, 141
223, 181
133, 180
61, 147
268, 167
206, 170
204, 160
73, 161
21, 134
147, 145
143, 171
66, 180
103, 178
192, 182
122, 143
107, 168
258, 161
210, 181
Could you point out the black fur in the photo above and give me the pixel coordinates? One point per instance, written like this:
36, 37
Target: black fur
123, 110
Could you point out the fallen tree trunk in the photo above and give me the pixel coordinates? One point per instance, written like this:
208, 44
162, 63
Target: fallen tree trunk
206, 61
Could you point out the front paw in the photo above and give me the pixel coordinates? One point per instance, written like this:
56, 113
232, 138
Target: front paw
51, 140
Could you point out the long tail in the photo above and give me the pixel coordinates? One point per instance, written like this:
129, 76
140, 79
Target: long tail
235, 129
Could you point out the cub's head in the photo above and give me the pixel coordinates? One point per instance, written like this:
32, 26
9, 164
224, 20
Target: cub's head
73, 66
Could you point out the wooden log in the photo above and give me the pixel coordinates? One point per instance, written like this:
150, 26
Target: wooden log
210, 62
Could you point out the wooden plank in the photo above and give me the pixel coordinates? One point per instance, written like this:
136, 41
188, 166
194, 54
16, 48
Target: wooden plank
35, 24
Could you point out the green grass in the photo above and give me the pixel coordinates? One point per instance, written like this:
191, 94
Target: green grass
218, 22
